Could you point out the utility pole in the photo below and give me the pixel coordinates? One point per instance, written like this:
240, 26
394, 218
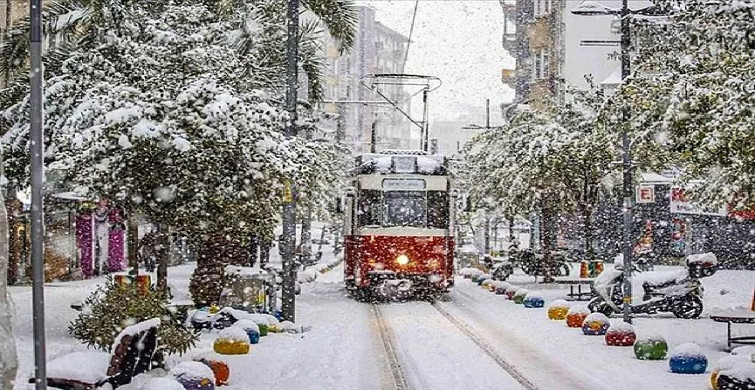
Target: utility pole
288, 242
627, 167
590, 9
425, 126
36, 154
373, 134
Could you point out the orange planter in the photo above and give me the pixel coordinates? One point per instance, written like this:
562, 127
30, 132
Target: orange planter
575, 320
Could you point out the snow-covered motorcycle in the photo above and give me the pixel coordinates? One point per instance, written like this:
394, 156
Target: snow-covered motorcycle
679, 292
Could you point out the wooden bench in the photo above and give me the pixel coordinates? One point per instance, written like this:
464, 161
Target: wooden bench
737, 316
133, 353
577, 295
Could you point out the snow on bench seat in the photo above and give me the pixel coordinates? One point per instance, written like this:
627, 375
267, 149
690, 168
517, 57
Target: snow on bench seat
84, 366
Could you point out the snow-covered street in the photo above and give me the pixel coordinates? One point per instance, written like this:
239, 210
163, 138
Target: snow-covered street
470, 338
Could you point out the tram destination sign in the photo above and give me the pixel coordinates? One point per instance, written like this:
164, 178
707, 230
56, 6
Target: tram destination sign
403, 184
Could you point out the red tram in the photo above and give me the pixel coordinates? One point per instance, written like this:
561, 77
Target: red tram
399, 234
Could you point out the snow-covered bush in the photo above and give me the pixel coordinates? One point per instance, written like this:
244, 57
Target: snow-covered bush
111, 308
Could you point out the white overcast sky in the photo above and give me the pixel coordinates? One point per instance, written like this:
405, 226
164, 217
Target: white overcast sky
457, 41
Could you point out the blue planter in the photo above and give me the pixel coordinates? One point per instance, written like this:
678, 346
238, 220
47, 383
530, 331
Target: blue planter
595, 328
254, 337
534, 302
688, 364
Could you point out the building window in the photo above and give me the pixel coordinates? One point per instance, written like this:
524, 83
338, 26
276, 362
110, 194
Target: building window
542, 7
541, 68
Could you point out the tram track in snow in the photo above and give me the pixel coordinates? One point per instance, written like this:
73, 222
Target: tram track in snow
404, 366
487, 348
394, 365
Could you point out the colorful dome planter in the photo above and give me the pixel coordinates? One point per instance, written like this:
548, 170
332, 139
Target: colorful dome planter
232, 341
483, 278
576, 316
534, 300
730, 363
486, 283
519, 295
688, 359
501, 288
740, 377
194, 376
620, 334
650, 348
595, 324
511, 291
251, 328
557, 310
219, 369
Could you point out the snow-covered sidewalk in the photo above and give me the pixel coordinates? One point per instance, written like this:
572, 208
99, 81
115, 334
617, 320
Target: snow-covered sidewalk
556, 356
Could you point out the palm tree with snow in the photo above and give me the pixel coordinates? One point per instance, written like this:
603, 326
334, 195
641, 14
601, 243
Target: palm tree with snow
78, 25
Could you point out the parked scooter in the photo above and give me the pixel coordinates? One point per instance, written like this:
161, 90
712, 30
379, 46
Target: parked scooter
534, 264
680, 293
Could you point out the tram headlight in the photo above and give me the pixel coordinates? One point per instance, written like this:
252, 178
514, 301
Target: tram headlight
402, 260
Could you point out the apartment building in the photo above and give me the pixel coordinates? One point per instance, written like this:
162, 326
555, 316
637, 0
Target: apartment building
378, 50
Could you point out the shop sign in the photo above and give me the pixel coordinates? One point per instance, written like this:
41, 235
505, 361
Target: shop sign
680, 204
646, 194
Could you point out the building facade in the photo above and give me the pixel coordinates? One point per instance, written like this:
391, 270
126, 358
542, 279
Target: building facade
10, 10
553, 47
377, 50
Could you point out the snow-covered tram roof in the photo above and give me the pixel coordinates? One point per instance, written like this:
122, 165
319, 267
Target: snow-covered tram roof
408, 162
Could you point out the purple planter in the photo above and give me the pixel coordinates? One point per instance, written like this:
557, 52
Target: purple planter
84, 235
116, 237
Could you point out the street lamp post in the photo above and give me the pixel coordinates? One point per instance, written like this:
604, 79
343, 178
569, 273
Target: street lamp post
288, 240
591, 8
626, 162
36, 153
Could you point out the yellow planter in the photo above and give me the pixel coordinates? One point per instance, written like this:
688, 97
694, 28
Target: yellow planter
230, 347
557, 313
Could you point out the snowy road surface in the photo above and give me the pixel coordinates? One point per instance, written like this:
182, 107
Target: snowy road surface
345, 349
434, 354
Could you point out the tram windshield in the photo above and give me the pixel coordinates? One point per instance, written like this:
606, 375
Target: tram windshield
403, 208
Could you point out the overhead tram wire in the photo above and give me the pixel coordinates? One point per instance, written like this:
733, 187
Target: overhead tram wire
411, 32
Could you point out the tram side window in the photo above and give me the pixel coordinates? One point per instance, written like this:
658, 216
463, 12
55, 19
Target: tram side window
437, 209
368, 213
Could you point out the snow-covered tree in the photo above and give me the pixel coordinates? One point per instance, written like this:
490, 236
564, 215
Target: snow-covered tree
166, 116
520, 167
553, 158
694, 92
8, 362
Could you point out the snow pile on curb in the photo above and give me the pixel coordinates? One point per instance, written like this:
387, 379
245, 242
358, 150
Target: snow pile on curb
165, 383
194, 370
233, 334
308, 275
246, 325
600, 317
620, 326
688, 350
579, 309
534, 295
560, 303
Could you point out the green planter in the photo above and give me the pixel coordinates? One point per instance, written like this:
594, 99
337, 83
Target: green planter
263, 329
651, 349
